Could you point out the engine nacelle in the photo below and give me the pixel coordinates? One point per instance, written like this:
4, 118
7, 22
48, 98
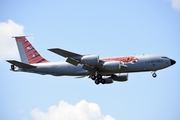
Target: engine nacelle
121, 78
112, 65
108, 80
90, 59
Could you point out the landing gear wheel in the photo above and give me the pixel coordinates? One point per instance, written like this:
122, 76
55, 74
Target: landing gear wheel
154, 75
12, 67
103, 81
99, 76
97, 82
93, 77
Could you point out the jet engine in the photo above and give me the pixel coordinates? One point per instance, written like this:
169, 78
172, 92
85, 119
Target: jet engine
108, 80
121, 78
112, 65
90, 59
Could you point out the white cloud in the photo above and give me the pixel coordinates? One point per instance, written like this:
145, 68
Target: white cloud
64, 111
175, 4
24, 118
8, 48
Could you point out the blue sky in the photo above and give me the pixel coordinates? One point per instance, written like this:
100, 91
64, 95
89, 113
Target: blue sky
106, 28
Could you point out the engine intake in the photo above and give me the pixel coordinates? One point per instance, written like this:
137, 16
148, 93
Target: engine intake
90, 59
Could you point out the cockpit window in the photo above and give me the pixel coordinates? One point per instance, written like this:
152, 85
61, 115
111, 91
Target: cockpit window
165, 57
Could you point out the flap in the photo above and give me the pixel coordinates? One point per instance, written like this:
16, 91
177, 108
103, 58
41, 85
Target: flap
89, 68
72, 61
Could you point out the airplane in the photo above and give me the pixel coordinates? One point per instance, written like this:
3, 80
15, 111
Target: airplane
100, 70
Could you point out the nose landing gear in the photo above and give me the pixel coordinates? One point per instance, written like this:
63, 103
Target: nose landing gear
154, 74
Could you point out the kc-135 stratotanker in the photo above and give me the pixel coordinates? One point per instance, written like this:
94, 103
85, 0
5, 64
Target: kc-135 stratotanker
100, 70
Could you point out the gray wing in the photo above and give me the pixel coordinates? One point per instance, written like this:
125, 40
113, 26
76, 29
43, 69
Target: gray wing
75, 59
72, 58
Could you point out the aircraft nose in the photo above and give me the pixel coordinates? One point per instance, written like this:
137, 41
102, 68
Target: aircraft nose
172, 61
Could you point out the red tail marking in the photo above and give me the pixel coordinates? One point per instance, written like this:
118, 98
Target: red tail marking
31, 53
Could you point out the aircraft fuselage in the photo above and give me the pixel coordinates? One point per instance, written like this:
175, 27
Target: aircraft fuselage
144, 63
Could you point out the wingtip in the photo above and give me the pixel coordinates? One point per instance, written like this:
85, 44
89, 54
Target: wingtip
51, 49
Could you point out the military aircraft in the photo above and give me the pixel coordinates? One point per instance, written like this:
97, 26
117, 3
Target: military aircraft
100, 70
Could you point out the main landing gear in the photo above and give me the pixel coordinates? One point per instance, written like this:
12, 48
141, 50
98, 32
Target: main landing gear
154, 74
97, 79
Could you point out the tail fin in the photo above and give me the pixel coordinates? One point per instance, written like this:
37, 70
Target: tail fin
27, 52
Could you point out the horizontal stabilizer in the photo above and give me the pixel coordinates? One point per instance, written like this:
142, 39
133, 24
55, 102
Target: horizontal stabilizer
22, 36
20, 64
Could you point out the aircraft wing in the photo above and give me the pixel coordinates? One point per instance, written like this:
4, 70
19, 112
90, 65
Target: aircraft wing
75, 59
72, 58
20, 64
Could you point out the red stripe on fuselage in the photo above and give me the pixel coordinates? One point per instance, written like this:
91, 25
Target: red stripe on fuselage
121, 59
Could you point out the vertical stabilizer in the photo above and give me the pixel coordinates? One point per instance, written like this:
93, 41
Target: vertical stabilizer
27, 52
